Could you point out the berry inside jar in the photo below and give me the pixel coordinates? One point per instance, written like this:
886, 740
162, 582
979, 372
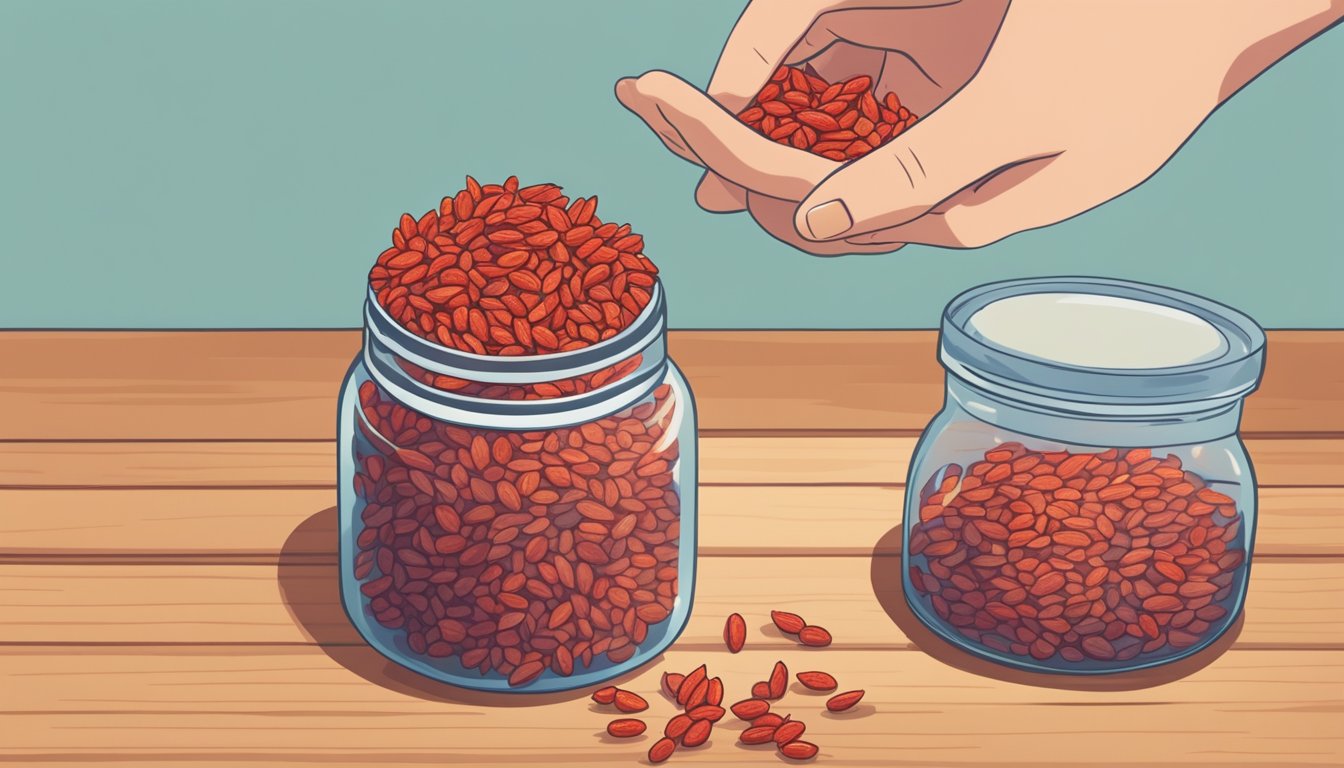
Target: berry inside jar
1077, 558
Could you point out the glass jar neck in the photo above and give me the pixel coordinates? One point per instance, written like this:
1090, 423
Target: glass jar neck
539, 391
1119, 426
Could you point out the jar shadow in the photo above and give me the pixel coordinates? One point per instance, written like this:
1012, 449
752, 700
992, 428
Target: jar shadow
889, 588
309, 581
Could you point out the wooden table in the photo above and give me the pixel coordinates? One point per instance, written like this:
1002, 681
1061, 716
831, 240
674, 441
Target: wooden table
170, 596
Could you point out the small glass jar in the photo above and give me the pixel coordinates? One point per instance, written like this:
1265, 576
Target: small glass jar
517, 523
1083, 503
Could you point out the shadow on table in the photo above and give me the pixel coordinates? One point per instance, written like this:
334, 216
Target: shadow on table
309, 581
889, 588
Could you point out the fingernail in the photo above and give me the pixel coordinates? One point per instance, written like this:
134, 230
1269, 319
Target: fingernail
828, 220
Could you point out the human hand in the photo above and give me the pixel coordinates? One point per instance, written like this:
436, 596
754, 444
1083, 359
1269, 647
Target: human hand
925, 52
1075, 104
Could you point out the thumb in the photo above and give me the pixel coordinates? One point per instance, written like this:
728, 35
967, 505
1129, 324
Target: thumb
963, 141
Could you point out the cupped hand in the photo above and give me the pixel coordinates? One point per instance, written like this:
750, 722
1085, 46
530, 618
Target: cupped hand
1034, 113
925, 51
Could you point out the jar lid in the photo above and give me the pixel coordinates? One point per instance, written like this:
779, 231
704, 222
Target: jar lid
1098, 340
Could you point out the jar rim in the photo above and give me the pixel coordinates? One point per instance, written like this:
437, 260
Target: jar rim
1230, 374
648, 326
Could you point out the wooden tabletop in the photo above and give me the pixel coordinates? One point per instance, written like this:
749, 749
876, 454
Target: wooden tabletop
169, 590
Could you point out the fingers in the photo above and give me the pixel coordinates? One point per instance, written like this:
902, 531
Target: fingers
775, 216
764, 35
964, 141
744, 169
686, 118
718, 195
656, 122
1029, 195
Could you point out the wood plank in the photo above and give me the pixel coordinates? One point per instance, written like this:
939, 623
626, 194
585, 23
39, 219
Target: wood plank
1290, 604
262, 523
774, 460
172, 384
250, 385
291, 706
806, 460
132, 464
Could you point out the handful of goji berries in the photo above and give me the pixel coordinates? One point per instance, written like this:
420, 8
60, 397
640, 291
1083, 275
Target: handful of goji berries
838, 121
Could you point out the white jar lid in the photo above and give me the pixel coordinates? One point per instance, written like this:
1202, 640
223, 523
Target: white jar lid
1092, 330
1085, 339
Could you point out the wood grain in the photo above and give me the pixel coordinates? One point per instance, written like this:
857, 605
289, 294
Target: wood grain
305, 705
775, 460
733, 520
1291, 604
249, 385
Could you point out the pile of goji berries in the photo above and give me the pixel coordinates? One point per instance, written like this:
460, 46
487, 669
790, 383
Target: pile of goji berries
1077, 557
700, 699
499, 270
838, 121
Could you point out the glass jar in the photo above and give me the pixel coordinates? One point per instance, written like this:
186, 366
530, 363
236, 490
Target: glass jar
517, 523
1083, 503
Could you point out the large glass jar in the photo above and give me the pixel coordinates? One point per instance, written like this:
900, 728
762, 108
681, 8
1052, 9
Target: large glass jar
1083, 504
517, 523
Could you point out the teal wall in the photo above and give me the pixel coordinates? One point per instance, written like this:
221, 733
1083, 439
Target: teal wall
240, 163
